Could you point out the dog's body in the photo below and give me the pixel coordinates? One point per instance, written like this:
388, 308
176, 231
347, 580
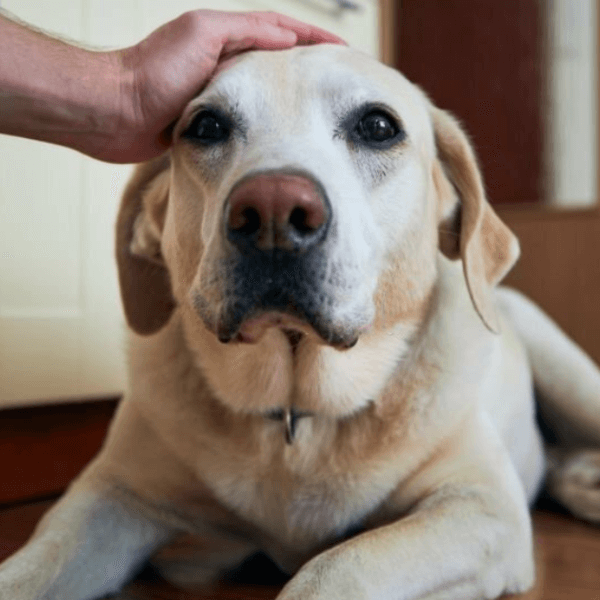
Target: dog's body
321, 367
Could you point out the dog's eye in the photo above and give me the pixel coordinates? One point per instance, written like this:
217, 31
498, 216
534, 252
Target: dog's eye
209, 128
376, 127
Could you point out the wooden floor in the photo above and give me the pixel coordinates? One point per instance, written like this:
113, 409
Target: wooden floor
568, 561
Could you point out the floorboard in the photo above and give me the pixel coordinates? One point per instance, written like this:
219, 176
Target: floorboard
568, 554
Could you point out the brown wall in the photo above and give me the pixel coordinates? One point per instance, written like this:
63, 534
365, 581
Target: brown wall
559, 268
484, 61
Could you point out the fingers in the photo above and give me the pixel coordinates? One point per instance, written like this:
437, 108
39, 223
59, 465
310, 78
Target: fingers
270, 31
307, 34
263, 37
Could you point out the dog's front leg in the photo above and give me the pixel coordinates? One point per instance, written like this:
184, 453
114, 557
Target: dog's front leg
89, 545
468, 538
456, 545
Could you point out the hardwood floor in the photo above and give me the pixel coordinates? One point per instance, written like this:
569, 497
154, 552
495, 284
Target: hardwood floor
568, 554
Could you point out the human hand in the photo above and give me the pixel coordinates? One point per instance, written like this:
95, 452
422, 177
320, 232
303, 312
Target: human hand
162, 73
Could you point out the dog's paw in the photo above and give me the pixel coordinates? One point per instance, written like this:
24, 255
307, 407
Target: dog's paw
575, 482
17, 582
328, 576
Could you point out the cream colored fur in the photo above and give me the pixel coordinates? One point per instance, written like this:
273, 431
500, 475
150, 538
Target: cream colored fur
412, 476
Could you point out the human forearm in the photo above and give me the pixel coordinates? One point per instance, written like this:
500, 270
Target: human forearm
56, 92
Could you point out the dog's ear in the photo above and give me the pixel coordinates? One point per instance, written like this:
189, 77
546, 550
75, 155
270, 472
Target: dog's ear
469, 227
143, 277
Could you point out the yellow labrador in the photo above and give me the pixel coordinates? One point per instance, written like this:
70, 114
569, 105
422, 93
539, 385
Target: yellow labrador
320, 364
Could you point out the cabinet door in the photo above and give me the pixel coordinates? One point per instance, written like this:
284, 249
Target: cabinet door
61, 324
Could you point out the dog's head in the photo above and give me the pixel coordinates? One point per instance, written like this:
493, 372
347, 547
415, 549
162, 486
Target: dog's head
307, 195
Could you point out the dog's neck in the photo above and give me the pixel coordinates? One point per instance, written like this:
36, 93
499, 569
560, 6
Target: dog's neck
322, 408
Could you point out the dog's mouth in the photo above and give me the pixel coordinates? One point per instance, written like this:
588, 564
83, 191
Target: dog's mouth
251, 329
281, 290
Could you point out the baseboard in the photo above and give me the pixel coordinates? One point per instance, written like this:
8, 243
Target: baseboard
42, 448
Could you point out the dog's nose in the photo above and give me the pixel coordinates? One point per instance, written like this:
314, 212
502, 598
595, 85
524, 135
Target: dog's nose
277, 210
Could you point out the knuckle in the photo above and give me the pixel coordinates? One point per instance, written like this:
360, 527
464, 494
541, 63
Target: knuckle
192, 18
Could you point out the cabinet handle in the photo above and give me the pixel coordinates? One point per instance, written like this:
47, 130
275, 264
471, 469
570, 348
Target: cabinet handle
348, 5
337, 6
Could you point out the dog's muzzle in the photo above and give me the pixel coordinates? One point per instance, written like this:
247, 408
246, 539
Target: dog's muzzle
277, 224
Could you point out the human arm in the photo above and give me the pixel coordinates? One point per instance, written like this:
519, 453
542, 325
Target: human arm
117, 105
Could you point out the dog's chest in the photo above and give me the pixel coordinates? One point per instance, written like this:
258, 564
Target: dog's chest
298, 496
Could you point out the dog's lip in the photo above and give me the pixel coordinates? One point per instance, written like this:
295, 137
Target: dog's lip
252, 329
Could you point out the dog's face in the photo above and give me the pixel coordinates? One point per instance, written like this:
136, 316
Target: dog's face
308, 193
303, 179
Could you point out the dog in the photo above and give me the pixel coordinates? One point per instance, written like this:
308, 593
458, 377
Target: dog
322, 366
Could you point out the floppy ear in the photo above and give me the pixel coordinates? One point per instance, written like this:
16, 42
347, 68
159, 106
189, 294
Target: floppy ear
143, 276
469, 228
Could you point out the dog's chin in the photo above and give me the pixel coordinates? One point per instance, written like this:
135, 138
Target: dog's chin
252, 329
